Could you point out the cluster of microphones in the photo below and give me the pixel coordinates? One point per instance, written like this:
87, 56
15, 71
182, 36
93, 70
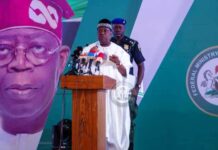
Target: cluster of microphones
87, 63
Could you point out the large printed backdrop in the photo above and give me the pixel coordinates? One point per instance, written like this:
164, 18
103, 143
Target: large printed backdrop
173, 33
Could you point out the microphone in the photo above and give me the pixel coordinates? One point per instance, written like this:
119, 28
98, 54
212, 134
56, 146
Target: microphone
94, 50
99, 60
82, 63
91, 57
83, 58
74, 61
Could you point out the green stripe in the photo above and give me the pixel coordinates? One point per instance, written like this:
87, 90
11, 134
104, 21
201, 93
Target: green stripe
79, 7
168, 120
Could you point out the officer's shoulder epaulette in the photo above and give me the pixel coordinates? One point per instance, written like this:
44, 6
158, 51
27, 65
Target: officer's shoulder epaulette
131, 41
126, 38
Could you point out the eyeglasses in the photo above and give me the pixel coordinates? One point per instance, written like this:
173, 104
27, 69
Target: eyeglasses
36, 54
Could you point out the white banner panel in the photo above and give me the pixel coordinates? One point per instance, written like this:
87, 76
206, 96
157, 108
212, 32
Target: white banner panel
155, 27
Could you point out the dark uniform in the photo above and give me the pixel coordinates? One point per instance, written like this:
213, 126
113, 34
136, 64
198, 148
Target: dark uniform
132, 48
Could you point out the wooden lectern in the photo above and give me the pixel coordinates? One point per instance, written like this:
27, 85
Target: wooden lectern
89, 111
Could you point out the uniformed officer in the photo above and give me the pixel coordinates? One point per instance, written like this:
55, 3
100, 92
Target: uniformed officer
132, 48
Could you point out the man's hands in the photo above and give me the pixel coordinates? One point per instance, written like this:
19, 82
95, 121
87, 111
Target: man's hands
135, 91
120, 67
140, 76
114, 59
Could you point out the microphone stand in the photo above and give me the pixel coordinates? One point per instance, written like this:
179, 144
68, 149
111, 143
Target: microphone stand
89, 66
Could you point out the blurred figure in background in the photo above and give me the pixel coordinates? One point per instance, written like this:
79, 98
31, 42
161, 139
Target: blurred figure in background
132, 48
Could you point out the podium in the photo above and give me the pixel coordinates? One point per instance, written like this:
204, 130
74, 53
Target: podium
89, 110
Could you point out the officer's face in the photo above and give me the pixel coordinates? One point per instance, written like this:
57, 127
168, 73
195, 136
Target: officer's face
31, 61
118, 29
104, 36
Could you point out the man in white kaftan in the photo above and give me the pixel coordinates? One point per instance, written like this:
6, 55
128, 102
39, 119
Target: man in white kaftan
116, 66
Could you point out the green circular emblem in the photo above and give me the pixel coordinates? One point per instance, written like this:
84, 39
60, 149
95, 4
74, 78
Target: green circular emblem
202, 81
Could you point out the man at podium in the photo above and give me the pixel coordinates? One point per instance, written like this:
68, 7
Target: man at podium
115, 64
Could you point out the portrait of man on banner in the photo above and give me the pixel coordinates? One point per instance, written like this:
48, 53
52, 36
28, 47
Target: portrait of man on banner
32, 58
